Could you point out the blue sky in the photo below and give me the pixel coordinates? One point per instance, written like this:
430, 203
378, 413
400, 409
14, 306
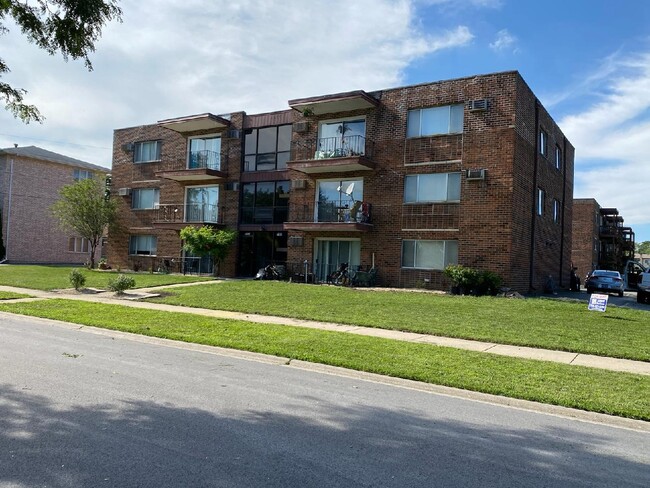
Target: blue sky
588, 61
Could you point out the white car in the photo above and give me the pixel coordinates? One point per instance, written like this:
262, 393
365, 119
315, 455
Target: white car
643, 290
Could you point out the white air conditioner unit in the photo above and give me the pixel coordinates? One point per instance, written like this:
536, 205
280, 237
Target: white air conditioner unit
296, 241
298, 184
476, 174
128, 147
233, 134
124, 192
478, 105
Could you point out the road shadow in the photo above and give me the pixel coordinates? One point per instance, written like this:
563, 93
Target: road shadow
148, 444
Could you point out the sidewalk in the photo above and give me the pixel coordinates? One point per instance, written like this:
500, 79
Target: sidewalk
131, 300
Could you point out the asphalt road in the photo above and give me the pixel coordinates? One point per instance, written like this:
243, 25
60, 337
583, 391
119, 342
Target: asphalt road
86, 409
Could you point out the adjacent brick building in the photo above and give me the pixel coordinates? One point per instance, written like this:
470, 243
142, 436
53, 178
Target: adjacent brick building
30, 180
471, 171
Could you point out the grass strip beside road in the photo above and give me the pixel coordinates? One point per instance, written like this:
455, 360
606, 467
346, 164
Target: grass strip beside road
589, 389
58, 277
9, 295
532, 322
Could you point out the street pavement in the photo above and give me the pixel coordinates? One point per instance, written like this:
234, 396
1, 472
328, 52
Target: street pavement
84, 407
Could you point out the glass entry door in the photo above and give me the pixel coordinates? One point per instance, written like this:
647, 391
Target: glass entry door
330, 254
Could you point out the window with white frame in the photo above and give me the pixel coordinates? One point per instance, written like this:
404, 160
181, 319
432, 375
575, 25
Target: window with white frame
558, 157
556, 211
422, 254
145, 198
543, 142
146, 151
204, 152
541, 197
447, 119
434, 187
143, 245
78, 244
81, 174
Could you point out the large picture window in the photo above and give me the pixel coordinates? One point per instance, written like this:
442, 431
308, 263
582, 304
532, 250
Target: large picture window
146, 151
447, 119
436, 187
202, 204
265, 202
267, 148
205, 152
429, 254
145, 198
143, 245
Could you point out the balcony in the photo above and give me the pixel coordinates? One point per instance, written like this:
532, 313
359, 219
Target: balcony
333, 155
177, 216
263, 218
330, 217
200, 166
335, 103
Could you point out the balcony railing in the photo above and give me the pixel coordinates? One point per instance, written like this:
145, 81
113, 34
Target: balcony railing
329, 212
204, 160
191, 213
333, 147
264, 215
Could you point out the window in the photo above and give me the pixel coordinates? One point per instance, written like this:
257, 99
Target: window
205, 152
81, 174
146, 151
143, 245
78, 244
556, 211
268, 148
265, 202
145, 198
341, 138
447, 119
543, 143
558, 157
429, 254
336, 200
437, 187
540, 201
202, 204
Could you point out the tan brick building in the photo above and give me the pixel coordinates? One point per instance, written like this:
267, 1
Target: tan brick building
30, 180
471, 171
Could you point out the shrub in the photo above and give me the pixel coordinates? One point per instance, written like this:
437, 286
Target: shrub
488, 283
77, 279
469, 280
121, 283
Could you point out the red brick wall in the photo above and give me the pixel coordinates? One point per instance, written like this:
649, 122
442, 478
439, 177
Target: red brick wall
585, 234
34, 233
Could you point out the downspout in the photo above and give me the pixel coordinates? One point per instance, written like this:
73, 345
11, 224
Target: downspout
563, 162
534, 209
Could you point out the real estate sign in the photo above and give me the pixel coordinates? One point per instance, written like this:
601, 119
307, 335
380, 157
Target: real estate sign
598, 302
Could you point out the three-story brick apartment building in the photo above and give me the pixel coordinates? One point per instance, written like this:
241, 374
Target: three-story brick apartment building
407, 180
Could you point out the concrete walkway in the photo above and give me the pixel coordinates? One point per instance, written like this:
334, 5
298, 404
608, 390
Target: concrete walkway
131, 298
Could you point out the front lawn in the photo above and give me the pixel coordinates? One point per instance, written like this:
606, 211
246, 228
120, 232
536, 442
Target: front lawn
590, 389
548, 324
8, 295
57, 277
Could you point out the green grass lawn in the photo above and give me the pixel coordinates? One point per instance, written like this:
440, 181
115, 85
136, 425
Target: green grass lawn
57, 277
548, 324
8, 295
590, 389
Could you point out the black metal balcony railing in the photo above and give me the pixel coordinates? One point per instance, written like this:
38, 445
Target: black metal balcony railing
204, 160
327, 212
264, 215
191, 213
333, 147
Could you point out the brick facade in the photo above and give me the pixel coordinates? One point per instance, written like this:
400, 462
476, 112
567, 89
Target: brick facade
586, 245
495, 223
30, 180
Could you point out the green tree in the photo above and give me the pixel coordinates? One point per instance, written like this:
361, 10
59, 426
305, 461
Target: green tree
643, 247
208, 241
83, 208
70, 27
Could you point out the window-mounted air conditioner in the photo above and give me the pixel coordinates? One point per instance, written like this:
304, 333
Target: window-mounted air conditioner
124, 192
478, 105
128, 147
298, 184
232, 186
233, 134
302, 126
296, 241
476, 174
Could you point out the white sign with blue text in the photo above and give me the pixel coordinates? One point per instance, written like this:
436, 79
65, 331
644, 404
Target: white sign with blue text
598, 302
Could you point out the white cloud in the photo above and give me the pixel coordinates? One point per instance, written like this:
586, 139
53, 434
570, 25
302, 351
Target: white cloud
611, 138
504, 41
188, 57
